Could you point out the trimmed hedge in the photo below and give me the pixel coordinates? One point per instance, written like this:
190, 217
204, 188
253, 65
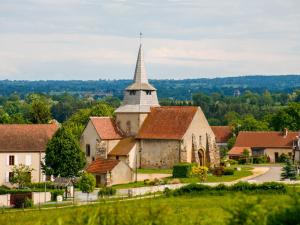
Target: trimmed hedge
240, 186
228, 171
182, 170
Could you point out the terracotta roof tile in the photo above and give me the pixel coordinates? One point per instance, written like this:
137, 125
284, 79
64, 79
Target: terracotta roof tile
238, 150
267, 139
123, 147
222, 133
102, 165
25, 137
167, 122
106, 128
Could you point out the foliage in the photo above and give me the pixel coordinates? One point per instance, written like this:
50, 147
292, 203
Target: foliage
63, 155
200, 172
218, 171
283, 158
289, 171
107, 191
231, 142
182, 170
28, 203
232, 162
261, 159
39, 109
22, 175
228, 171
56, 193
87, 183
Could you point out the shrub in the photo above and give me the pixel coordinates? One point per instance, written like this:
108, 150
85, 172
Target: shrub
182, 170
49, 185
200, 172
242, 161
55, 193
243, 186
106, 191
289, 171
283, 158
232, 161
28, 203
228, 171
218, 171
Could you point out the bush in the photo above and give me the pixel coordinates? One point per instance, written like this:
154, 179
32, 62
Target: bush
55, 193
283, 158
242, 161
41, 185
218, 171
232, 162
28, 203
228, 171
182, 170
261, 159
200, 172
106, 191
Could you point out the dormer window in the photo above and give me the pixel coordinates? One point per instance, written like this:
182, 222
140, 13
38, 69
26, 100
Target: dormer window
148, 92
132, 92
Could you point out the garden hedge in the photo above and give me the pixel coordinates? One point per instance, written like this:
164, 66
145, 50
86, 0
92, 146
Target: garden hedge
182, 170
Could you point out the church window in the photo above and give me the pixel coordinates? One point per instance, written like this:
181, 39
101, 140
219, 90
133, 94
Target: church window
148, 92
132, 92
88, 150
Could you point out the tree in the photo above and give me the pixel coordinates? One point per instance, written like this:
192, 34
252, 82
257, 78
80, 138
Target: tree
39, 109
87, 183
21, 175
289, 171
246, 154
63, 155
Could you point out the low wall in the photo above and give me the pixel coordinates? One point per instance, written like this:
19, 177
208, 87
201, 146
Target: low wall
147, 190
5, 200
41, 197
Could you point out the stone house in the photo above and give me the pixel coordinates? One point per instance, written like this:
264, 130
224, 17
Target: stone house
110, 172
24, 144
269, 143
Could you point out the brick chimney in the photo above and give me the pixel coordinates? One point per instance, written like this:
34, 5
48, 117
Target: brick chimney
285, 132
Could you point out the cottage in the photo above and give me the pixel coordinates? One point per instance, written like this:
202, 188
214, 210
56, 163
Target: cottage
24, 144
269, 143
222, 134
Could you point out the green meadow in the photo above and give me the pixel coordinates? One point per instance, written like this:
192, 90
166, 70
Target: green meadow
186, 209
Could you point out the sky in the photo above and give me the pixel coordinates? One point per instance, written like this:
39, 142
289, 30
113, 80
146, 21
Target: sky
99, 39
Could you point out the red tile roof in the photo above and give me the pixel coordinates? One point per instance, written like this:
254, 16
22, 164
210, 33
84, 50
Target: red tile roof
25, 137
123, 147
265, 139
106, 128
167, 122
238, 150
222, 133
102, 165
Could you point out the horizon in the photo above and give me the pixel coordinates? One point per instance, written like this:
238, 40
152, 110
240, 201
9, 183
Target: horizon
86, 39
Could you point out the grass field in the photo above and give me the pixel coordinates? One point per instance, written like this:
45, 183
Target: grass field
201, 209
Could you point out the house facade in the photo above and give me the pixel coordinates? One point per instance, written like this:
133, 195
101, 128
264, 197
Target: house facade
23, 144
269, 143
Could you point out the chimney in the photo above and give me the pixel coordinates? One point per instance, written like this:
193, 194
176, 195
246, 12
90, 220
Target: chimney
285, 132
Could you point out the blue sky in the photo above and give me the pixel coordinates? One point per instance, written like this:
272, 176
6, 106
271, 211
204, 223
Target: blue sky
98, 39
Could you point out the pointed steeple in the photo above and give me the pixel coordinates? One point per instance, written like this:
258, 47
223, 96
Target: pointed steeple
140, 74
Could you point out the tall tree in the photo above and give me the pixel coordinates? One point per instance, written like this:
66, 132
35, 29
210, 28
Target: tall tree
39, 110
63, 155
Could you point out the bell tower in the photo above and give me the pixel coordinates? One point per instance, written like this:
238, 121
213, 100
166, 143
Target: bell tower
139, 97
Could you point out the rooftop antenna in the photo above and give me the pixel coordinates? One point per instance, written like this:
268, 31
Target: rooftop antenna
141, 34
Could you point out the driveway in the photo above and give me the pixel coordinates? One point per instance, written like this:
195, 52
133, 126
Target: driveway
273, 174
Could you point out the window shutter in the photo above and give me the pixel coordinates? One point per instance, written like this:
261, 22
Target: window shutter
28, 160
7, 160
7, 177
16, 160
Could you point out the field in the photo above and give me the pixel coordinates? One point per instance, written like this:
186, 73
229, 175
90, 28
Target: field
200, 209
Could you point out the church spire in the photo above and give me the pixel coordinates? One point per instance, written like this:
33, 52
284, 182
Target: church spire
140, 74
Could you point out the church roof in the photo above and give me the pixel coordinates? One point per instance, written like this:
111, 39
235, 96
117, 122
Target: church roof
26, 137
123, 147
106, 128
167, 122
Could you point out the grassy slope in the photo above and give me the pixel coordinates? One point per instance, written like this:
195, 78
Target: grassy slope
209, 209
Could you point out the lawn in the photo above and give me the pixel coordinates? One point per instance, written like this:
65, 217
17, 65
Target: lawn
201, 209
151, 171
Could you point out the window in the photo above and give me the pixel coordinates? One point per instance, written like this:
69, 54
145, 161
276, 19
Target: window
93, 158
117, 157
10, 176
132, 92
88, 150
11, 160
148, 92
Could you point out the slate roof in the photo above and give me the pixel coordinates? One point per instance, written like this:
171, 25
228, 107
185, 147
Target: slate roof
123, 147
102, 165
106, 128
265, 139
222, 133
167, 122
25, 137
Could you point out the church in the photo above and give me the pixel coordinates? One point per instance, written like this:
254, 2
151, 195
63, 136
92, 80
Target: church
144, 134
